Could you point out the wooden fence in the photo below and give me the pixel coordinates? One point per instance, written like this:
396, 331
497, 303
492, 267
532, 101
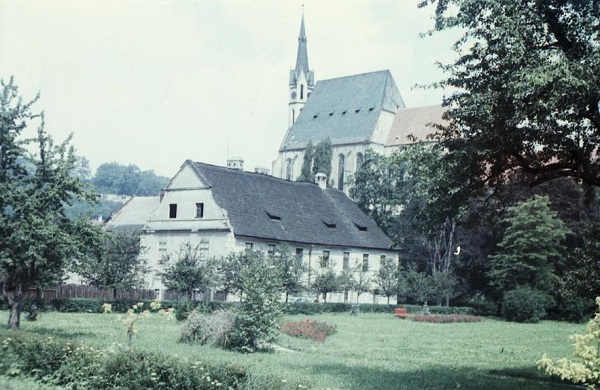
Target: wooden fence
66, 291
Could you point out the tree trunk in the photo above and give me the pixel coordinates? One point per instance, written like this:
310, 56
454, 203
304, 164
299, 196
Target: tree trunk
13, 298
114, 293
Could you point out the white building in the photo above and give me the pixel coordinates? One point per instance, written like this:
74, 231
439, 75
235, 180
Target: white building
228, 210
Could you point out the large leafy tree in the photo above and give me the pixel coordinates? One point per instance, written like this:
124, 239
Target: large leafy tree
114, 178
526, 83
119, 266
36, 237
531, 242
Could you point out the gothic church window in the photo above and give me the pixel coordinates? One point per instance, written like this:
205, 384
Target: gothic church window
289, 169
360, 160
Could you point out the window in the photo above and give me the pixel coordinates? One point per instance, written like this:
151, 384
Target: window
360, 160
271, 250
162, 250
346, 263
341, 165
272, 216
249, 246
203, 250
360, 227
299, 251
325, 259
301, 91
330, 225
199, 210
382, 260
365, 266
289, 169
173, 210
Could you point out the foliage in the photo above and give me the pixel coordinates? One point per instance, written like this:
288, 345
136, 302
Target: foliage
75, 365
114, 178
258, 315
326, 282
445, 287
120, 265
586, 367
291, 270
212, 329
530, 244
37, 237
308, 329
362, 280
583, 273
446, 319
419, 285
189, 272
526, 82
388, 278
525, 304
306, 170
316, 160
137, 313
230, 269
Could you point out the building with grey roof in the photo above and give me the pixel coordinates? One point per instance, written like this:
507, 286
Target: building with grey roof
357, 113
222, 210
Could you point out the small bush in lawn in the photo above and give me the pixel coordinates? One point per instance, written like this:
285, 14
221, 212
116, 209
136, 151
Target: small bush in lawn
214, 328
525, 305
308, 329
446, 318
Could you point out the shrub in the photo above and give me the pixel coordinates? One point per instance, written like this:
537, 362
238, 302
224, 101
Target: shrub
308, 329
214, 328
76, 366
446, 318
586, 368
525, 305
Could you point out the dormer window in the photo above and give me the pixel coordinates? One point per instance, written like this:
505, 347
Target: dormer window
315, 116
199, 210
357, 110
330, 225
360, 227
273, 217
173, 210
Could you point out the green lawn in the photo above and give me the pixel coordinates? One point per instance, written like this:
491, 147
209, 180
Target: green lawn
369, 351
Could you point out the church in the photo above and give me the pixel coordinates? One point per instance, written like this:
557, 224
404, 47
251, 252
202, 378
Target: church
357, 113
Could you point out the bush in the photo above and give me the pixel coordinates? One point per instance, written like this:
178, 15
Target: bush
75, 366
446, 318
586, 367
525, 304
308, 329
213, 329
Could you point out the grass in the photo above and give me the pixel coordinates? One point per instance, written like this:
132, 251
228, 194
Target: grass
368, 352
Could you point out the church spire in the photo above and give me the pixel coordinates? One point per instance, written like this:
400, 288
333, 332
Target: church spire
301, 78
302, 56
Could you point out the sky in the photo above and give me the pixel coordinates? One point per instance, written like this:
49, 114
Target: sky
156, 82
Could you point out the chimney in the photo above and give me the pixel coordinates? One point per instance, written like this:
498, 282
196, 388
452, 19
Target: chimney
235, 163
321, 180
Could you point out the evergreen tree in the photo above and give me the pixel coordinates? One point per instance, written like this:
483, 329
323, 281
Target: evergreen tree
306, 172
322, 159
530, 244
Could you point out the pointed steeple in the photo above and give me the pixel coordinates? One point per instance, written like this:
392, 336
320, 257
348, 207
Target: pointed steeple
302, 79
302, 56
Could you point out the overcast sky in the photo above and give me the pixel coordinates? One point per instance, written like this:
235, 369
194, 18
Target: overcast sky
156, 82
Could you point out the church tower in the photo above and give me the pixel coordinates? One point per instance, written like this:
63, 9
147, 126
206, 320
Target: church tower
302, 79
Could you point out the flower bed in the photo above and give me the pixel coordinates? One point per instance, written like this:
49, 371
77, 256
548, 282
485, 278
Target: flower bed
308, 329
448, 318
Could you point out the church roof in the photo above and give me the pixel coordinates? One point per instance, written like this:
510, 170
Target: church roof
345, 109
413, 125
265, 207
133, 215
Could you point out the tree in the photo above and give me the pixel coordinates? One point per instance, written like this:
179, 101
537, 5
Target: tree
114, 178
362, 280
387, 278
526, 94
230, 270
530, 244
189, 272
326, 282
290, 268
419, 285
583, 273
36, 238
306, 173
258, 317
120, 265
322, 159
